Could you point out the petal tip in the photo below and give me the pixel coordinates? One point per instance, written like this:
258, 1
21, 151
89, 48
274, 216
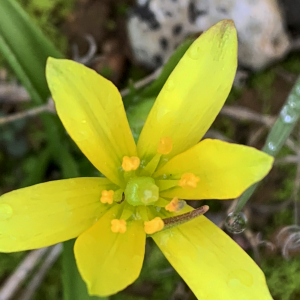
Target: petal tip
268, 159
270, 162
225, 31
50, 59
226, 25
50, 65
50, 62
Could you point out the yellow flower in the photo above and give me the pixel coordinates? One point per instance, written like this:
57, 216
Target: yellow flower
110, 216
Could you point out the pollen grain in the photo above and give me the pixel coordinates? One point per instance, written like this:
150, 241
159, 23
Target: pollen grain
107, 197
130, 163
154, 225
188, 180
118, 226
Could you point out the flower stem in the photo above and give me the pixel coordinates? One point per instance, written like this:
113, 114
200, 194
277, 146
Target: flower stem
281, 130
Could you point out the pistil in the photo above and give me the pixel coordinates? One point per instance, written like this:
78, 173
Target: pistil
130, 163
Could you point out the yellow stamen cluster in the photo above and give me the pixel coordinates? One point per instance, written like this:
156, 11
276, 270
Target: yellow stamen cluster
188, 180
165, 145
118, 226
130, 163
154, 225
107, 197
175, 205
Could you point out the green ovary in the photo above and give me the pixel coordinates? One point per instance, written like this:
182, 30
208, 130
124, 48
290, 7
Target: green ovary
141, 191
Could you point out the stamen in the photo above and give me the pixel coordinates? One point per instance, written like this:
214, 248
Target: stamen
107, 197
188, 180
165, 145
154, 225
130, 163
118, 226
175, 205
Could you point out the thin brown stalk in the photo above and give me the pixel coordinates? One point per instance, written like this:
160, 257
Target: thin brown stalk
14, 282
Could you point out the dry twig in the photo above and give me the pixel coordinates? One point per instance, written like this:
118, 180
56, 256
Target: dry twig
143, 82
49, 107
14, 282
39, 276
244, 114
12, 92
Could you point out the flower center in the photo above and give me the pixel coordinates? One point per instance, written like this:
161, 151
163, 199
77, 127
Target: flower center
141, 191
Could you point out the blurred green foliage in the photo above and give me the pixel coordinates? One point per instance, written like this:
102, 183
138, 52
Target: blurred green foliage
283, 277
48, 15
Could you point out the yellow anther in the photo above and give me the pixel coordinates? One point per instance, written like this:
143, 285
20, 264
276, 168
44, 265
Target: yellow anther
165, 145
130, 163
107, 196
175, 205
118, 226
188, 180
154, 225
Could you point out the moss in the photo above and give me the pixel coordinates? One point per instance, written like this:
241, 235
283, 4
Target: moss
234, 95
122, 9
283, 278
292, 64
287, 181
48, 15
263, 83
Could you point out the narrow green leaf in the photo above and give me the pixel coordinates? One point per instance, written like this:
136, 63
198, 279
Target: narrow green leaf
26, 49
154, 88
17, 67
279, 133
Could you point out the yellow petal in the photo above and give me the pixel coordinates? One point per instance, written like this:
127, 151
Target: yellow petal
49, 213
108, 262
225, 170
91, 109
211, 263
193, 94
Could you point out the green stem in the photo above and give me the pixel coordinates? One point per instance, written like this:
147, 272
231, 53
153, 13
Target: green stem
284, 125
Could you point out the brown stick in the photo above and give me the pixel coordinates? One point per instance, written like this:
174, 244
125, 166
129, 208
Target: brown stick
42, 272
49, 107
14, 282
